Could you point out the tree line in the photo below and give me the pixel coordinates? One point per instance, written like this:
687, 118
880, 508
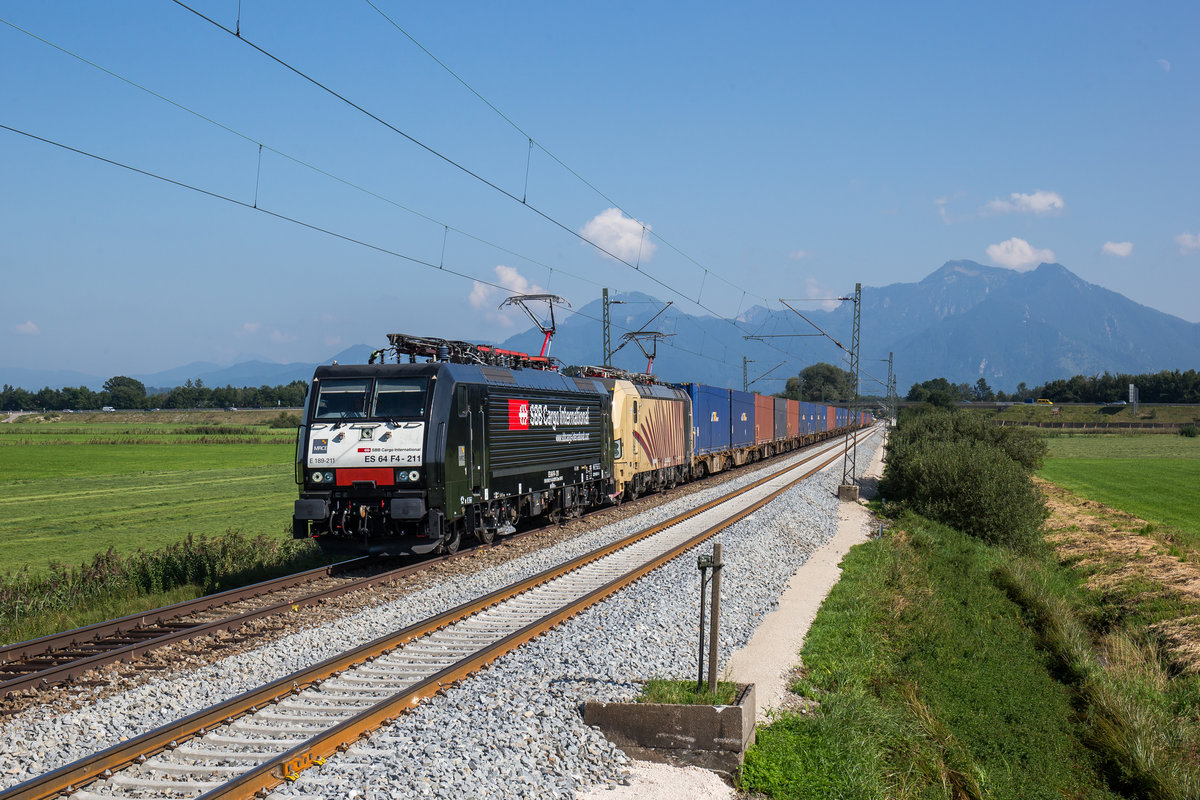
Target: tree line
124, 392
1158, 387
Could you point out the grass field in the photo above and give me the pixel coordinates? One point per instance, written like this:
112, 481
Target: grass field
76, 485
1153, 477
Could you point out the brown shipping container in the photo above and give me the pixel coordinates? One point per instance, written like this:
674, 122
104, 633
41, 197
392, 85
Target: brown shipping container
764, 419
830, 417
793, 416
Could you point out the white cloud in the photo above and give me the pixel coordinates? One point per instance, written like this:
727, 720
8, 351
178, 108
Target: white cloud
941, 207
1166, 65
1188, 242
796, 255
248, 328
1121, 249
485, 297
1018, 254
814, 290
624, 237
279, 337
28, 328
1037, 203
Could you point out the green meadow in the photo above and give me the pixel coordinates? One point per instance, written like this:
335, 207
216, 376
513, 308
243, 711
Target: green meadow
1155, 477
71, 487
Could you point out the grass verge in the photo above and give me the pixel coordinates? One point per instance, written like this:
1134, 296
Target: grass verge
930, 683
34, 604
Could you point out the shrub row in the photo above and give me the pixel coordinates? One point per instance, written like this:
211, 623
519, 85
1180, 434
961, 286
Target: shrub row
956, 468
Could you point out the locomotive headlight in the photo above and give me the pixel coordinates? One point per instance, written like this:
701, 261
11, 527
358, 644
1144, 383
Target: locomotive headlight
317, 477
414, 475
329, 477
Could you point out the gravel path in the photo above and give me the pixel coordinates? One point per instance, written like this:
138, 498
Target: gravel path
513, 730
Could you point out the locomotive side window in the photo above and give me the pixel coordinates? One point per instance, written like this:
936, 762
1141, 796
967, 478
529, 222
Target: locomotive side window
399, 397
342, 398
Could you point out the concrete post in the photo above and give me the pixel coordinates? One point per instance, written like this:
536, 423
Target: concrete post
716, 618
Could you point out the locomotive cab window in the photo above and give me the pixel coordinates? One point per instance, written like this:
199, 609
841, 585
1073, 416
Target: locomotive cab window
342, 398
399, 397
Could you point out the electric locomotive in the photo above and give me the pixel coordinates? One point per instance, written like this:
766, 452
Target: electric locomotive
411, 457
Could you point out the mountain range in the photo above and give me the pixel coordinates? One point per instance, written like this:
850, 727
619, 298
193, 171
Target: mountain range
964, 321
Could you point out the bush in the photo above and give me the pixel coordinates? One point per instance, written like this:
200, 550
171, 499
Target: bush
972, 486
1189, 431
961, 471
1022, 445
285, 419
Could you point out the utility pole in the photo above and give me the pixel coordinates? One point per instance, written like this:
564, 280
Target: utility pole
849, 482
607, 335
891, 389
745, 374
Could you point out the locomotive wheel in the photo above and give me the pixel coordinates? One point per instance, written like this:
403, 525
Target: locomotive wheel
485, 535
450, 545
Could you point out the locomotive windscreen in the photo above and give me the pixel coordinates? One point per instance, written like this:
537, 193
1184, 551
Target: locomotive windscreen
342, 398
360, 398
399, 397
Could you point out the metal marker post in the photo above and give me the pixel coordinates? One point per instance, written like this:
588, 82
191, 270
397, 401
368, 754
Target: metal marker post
716, 617
703, 562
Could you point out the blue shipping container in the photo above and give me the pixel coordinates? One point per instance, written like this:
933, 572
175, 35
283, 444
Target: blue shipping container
780, 418
710, 417
808, 418
742, 418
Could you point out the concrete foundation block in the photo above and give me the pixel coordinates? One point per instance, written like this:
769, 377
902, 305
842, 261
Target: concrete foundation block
711, 737
848, 492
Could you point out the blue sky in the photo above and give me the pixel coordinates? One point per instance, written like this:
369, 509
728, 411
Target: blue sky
735, 153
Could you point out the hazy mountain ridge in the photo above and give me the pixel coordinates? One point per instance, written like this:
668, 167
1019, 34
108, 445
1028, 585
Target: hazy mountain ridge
962, 322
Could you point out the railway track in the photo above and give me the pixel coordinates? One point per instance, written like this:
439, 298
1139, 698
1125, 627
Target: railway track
61, 657
64, 657
264, 737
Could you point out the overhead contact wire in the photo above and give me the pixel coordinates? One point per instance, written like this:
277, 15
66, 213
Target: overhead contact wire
462, 167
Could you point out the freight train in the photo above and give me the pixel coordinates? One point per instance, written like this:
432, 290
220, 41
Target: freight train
466, 440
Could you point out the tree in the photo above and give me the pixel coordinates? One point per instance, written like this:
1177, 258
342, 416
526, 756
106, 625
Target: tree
821, 382
125, 392
982, 392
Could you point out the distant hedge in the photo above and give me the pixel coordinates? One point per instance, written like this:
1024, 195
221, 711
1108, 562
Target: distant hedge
956, 468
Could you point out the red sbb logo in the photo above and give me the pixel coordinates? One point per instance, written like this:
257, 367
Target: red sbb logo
518, 415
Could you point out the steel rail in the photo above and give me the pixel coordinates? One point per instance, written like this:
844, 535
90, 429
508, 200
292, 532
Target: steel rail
68, 670
70, 777
77, 636
140, 624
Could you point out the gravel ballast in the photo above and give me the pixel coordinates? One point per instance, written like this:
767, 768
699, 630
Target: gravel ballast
513, 730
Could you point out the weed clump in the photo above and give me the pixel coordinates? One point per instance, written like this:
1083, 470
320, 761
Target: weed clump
1189, 430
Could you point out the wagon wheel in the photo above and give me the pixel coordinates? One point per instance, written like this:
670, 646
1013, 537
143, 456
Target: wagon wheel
450, 544
484, 534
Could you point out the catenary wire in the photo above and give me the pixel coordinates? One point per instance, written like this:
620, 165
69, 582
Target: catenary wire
504, 192
303, 224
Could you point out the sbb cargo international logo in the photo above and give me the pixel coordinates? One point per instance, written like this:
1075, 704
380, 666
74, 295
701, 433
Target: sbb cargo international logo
523, 415
518, 415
